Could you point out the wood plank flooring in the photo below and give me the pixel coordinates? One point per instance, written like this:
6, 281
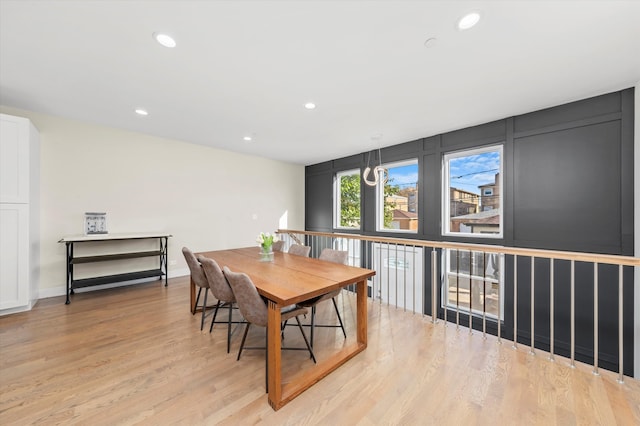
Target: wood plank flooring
136, 355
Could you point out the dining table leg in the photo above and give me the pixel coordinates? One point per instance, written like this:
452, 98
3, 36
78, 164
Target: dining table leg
274, 360
361, 312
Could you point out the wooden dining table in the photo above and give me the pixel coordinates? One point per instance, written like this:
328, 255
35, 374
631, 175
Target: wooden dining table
284, 281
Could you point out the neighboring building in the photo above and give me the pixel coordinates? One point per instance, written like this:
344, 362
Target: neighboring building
413, 201
490, 194
403, 219
485, 222
463, 202
398, 201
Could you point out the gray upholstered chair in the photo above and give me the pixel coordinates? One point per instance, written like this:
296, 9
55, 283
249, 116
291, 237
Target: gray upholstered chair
222, 291
299, 250
278, 246
199, 279
255, 311
335, 256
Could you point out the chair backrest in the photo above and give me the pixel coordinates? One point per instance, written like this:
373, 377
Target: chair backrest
299, 250
217, 282
197, 274
278, 246
335, 256
249, 302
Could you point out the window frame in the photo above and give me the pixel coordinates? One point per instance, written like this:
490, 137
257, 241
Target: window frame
380, 197
444, 300
337, 198
446, 191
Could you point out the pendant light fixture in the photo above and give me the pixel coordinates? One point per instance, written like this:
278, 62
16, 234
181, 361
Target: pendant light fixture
380, 174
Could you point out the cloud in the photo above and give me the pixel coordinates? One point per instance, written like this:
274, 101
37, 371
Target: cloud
404, 175
403, 179
471, 171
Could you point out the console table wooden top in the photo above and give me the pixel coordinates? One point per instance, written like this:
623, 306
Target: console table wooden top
106, 237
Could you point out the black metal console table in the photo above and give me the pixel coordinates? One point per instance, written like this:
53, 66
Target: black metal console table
161, 253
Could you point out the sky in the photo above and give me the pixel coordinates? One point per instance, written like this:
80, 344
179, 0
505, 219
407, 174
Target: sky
404, 176
466, 172
470, 171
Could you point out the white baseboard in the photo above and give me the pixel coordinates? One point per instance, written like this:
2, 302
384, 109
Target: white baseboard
45, 293
18, 309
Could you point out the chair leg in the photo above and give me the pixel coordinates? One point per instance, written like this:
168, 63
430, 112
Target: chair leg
306, 341
335, 305
229, 327
204, 308
198, 298
313, 322
215, 314
244, 337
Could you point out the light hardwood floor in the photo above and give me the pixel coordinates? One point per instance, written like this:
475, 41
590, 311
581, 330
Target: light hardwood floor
135, 355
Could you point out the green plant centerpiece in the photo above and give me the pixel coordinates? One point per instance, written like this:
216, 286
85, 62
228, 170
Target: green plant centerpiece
266, 241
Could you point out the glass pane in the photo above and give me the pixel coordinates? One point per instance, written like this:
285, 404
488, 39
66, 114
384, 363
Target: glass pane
349, 192
485, 280
479, 301
474, 192
401, 198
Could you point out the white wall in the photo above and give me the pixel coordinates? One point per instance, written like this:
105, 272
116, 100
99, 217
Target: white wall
206, 198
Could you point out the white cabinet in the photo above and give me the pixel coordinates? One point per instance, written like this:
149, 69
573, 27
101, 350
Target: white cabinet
14, 262
19, 214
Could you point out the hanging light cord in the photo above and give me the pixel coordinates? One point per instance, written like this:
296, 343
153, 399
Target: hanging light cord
379, 172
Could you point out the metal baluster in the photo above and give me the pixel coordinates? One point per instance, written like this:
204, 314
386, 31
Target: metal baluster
434, 286
470, 291
595, 319
457, 289
573, 313
551, 310
620, 341
353, 259
396, 269
365, 259
533, 299
388, 274
500, 306
484, 296
380, 266
404, 283
446, 254
413, 267
515, 301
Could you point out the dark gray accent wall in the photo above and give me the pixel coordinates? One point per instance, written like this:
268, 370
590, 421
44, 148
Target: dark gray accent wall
568, 185
575, 199
318, 203
568, 177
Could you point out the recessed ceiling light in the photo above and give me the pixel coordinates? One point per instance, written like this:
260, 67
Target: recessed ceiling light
164, 39
469, 20
247, 138
141, 111
431, 42
310, 105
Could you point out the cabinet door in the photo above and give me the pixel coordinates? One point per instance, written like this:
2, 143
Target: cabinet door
14, 262
14, 159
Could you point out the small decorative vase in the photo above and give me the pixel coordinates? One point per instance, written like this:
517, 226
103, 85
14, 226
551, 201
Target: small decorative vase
266, 254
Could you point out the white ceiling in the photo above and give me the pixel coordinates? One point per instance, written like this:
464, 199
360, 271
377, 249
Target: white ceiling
247, 67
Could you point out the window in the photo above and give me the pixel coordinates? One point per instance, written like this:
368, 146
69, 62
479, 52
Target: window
473, 282
397, 200
347, 200
472, 199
